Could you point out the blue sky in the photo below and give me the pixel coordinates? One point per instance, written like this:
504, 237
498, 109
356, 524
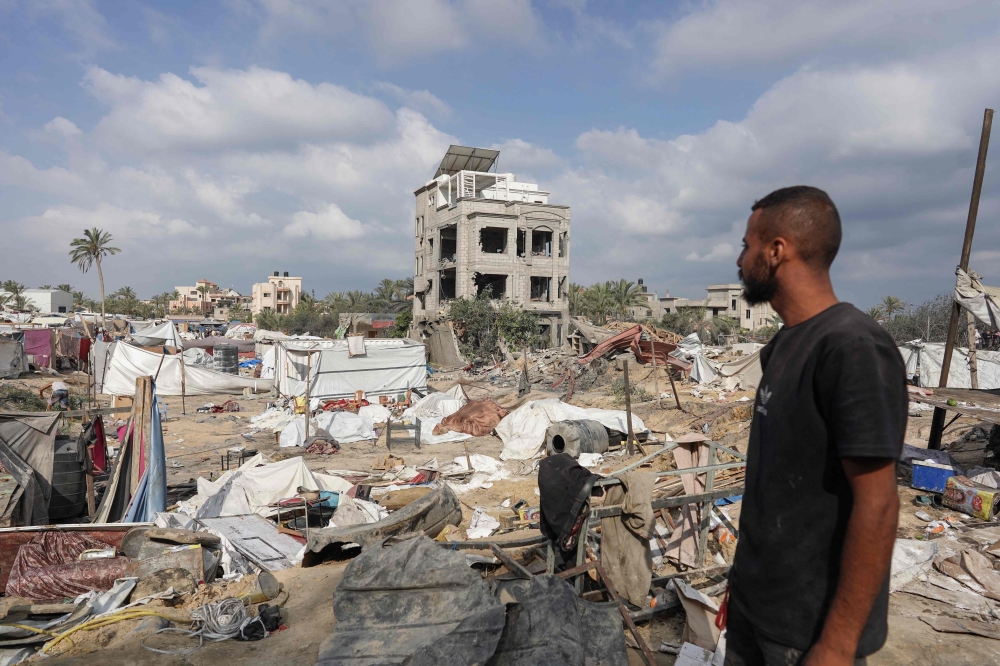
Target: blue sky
232, 138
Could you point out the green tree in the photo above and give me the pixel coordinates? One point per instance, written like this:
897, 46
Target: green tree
875, 312
92, 249
576, 300
65, 287
891, 305
402, 327
624, 295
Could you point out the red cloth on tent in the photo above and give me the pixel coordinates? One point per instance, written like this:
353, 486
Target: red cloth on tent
38, 343
47, 567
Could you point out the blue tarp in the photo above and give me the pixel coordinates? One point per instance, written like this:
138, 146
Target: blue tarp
151, 493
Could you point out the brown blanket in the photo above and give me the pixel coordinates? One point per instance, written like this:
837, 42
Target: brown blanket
476, 418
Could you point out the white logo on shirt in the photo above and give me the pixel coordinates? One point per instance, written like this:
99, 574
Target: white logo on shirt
765, 395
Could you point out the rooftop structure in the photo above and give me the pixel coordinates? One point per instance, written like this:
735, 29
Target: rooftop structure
280, 294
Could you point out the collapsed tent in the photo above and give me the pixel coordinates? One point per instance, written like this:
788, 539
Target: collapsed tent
12, 356
523, 430
743, 373
255, 486
156, 335
127, 363
27, 451
928, 357
343, 427
387, 367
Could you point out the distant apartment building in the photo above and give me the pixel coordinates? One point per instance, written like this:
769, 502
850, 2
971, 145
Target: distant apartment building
477, 230
45, 300
280, 294
208, 299
722, 300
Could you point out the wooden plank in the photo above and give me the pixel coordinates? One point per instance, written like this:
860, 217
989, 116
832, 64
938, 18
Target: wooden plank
576, 571
512, 565
87, 413
705, 508
646, 654
671, 502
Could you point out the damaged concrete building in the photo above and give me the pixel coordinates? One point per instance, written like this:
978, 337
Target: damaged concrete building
477, 230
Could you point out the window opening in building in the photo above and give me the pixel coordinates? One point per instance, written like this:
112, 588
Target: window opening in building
449, 242
493, 240
521, 236
496, 284
748, 314
734, 304
562, 244
541, 243
540, 288
448, 283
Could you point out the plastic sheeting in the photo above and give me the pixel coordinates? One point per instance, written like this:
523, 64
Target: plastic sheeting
977, 298
743, 373
437, 405
388, 367
256, 485
151, 494
128, 362
27, 448
153, 335
12, 358
345, 427
523, 430
267, 363
930, 355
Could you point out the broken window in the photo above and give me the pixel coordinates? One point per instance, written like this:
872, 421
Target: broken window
449, 242
541, 243
734, 304
540, 288
562, 244
496, 284
521, 235
447, 284
493, 240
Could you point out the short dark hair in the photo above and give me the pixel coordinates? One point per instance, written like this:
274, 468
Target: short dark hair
807, 216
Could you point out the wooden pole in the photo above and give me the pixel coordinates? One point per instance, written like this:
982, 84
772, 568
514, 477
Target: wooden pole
308, 382
937, 423
673, 387
971, 334
91, 498
628, 409
656, 380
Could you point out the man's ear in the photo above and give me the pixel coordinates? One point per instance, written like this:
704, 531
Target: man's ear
777, 251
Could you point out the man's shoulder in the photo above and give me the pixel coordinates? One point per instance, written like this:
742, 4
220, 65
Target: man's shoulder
847, 323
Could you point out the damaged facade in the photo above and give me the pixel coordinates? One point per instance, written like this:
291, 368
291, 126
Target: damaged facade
477, 230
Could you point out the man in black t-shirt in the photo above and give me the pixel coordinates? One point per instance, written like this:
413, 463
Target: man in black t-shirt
810, 581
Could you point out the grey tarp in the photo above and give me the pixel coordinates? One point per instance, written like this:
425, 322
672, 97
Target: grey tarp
548, 624
413, 603
242, 346
12, 359
27, 448
977, 298
428, 514
929, 356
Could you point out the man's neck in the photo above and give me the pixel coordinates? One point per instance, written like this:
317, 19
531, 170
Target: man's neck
802, 294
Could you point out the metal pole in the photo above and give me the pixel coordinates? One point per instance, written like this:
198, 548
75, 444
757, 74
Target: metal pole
937, 424
971, 334
628, 409
308, 378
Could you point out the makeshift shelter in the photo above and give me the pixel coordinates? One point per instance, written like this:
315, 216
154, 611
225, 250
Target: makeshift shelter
243, 347
103, 352
387, 367
27, 451
128, 363
74, 345
12, 357
237, 331
743, 373
39, 345
157, 335
928, 356
977, 298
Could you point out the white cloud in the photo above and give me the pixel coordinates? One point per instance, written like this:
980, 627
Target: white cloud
231, 109
734, 33
80, 19
420, 100
526, 160
330, 223
719, 252
61, 126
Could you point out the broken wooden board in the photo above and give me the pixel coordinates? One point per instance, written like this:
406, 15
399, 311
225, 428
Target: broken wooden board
952, 566
979, 566
257, 539
951, 625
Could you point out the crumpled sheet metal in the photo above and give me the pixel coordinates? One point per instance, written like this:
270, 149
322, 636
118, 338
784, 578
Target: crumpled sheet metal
428, 514
548, 624
47, 567
412, 603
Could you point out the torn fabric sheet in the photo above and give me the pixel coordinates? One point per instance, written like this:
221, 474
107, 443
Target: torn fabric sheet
682, 546
977, 298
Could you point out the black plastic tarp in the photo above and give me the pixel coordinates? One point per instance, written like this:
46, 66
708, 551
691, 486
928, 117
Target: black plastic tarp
414, 603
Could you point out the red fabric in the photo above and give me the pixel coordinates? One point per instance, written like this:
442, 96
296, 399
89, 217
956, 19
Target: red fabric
38, 343
47, 567
84, 348
99, 455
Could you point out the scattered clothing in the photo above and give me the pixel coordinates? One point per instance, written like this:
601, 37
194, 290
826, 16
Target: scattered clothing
625, 552
564, 489
477, 418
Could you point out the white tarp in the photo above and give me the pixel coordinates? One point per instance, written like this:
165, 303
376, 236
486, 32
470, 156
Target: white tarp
152, 335
237, 331
437, 405
345, 427
12, 359
702, 370
743, 373
198, 356
128, 363
256, 485
267, 363
930, 355
388, 367
977, 298
523, 430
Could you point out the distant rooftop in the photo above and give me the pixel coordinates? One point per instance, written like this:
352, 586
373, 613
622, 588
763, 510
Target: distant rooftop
465, 158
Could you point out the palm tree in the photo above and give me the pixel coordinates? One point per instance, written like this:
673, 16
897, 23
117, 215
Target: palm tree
891, 305
576, 303
599, 301
90, 250
625, 294
125, 293
875, 312
15, 295
65, 287
203, 290
46, 286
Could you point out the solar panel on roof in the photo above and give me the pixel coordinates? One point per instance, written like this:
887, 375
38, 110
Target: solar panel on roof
466, 158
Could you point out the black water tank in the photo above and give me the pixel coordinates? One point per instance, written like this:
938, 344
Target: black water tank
69, 482
227, 359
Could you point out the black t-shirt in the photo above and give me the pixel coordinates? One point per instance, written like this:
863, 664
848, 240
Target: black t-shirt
833, 386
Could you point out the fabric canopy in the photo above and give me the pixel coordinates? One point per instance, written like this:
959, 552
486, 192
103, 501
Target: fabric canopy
977, 298
388, 367
12, 360
128, 363
38, 343
153, 335
928, 357
743, 373
523, 430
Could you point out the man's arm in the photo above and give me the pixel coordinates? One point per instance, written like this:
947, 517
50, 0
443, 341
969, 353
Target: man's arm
42, 390
864, 564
